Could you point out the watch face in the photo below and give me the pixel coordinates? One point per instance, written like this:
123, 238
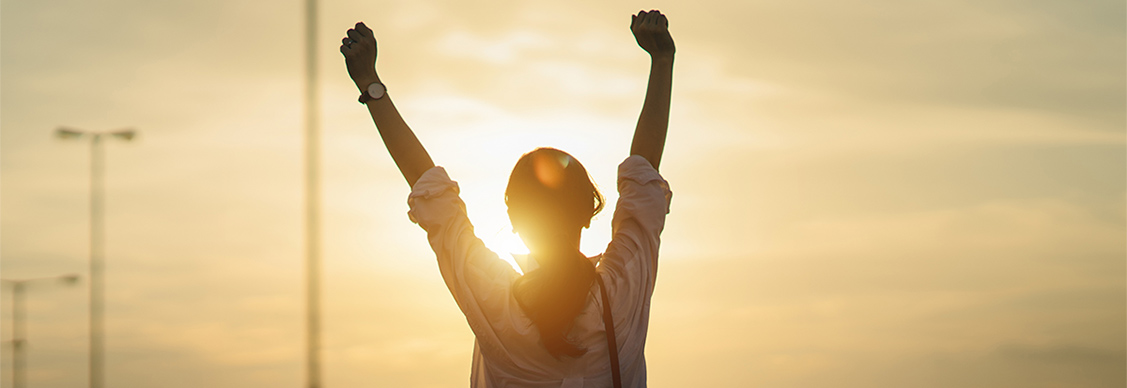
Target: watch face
376, 90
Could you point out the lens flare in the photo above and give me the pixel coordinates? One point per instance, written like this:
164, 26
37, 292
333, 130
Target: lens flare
550, 170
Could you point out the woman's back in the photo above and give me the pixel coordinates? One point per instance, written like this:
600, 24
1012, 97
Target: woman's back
508, 349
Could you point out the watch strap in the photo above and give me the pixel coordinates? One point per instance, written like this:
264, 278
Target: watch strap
365, 97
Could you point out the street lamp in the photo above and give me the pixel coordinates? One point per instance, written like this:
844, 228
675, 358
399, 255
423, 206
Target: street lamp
96, 237
312, 203
19, 336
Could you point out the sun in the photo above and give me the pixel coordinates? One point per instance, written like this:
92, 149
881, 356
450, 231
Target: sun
497, 234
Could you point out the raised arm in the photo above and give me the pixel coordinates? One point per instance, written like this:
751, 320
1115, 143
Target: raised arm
359, 49
651, 30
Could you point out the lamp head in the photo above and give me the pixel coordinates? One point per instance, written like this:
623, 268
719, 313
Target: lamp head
67, 133
125, 134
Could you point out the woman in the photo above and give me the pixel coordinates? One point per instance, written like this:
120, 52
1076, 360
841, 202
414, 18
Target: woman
570, 321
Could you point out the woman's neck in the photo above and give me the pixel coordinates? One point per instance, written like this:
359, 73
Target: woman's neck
553, 257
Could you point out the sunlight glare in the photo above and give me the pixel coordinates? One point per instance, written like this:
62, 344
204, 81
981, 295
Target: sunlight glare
504, 242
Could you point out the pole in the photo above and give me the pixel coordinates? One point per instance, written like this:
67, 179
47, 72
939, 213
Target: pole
19, 328
312, 202
96, 287
18, 335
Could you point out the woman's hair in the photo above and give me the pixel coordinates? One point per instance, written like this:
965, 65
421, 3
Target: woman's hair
552, 192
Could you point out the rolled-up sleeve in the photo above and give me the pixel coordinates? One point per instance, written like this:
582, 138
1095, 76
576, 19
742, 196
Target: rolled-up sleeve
639, 218
479, 281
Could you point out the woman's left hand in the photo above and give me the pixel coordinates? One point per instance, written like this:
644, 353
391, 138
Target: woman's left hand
359, 49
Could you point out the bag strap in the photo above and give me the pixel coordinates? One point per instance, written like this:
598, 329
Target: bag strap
608, 324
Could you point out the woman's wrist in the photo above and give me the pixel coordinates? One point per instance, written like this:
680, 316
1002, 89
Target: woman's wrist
661, 58
368, 79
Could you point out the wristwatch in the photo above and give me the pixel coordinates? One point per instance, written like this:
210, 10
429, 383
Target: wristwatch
375, 91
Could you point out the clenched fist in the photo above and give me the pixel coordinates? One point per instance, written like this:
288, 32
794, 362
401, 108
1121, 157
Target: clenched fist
359, 49
651, 30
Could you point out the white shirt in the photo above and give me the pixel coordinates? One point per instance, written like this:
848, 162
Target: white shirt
507, 348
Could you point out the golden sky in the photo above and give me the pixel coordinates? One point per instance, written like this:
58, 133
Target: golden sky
867, 193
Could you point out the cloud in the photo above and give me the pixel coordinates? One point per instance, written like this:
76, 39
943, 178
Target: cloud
998, 55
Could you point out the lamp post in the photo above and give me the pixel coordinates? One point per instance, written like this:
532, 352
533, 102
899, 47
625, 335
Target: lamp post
19, 335
96, 237
312, 204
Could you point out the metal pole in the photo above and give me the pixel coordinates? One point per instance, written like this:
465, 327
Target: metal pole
18, 335
19, 328
96, 287
312, 202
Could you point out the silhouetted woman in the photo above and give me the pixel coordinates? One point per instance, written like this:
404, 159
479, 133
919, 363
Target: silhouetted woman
553, 326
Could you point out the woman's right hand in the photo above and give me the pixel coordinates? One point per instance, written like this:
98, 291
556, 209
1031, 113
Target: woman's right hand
651, 30
359, 49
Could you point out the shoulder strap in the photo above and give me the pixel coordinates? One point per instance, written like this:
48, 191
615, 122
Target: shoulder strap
608, 324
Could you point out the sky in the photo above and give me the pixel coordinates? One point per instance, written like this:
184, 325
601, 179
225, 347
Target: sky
866, 193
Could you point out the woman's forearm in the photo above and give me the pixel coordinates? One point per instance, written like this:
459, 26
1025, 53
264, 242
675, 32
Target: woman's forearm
653, 122
405, 149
